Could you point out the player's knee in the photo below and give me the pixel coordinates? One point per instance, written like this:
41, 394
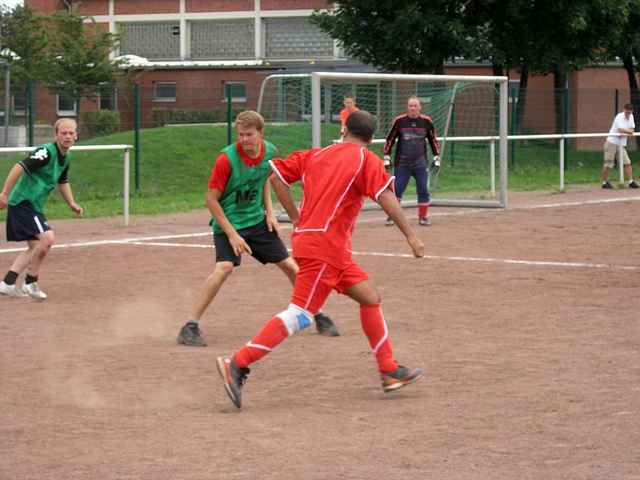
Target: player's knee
47, 239
295, 318
224, 269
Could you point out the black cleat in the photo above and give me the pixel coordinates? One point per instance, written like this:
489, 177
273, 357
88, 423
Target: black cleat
400, 377
633, 184
607, 186
325, 326
234, 378
191, 335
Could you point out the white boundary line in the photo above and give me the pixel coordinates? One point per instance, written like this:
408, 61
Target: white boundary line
151, 241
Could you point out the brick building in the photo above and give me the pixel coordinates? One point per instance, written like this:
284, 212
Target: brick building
197, 49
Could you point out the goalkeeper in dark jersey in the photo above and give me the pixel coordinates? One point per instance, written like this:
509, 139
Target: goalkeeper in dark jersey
25, 191
412, 131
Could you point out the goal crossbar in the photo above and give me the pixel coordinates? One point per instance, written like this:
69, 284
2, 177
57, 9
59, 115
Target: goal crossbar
89, 148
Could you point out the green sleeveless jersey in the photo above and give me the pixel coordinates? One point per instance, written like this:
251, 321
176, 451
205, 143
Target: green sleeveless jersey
242, 200
36, 186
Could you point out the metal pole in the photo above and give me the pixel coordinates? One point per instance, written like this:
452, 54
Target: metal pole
315, 111
126, 187
492, 163
7, 102
229, 119
565, 121
30, 115
504, 167
136, 133
562, 164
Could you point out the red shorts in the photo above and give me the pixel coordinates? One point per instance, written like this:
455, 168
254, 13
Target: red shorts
316, 279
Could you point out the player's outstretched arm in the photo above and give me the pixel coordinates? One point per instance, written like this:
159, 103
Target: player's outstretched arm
67, 195
10, 182
284, 197
391, 207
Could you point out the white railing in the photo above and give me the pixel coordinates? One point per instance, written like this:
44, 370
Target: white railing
557, 136
90, 148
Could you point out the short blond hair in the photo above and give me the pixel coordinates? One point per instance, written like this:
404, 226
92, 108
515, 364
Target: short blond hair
60, 121
249, 118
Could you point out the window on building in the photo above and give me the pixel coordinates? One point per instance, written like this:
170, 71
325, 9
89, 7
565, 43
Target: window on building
295, 37
164, 91
107, 97
220, 40
238, 91
153, 41
67, 105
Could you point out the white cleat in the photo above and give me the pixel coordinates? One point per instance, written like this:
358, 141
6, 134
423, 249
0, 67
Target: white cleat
34, 291
11, 290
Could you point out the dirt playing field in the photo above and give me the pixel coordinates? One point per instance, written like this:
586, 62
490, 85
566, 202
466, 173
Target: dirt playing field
525, 320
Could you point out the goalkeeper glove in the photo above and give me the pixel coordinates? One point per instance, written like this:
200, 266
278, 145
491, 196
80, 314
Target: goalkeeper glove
435, 165
387, 160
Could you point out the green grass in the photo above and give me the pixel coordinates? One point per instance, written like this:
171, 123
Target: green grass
176, 163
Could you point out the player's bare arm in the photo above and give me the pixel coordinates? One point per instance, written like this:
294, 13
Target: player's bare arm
285, 198
392, 208
212, 199
10, 182
270, 217
67, 195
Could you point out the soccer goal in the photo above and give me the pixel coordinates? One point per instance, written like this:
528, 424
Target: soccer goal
469, 113
80, 184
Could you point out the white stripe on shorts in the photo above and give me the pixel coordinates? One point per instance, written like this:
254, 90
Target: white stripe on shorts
38, 224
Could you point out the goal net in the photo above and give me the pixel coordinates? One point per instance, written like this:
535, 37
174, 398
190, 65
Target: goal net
468, 112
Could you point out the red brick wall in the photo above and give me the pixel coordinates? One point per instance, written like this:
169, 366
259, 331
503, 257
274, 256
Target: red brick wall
123, 7
94, 7
293, 4
219, 5
43, 5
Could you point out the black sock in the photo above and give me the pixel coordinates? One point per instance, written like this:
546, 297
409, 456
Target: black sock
30, 279
11, 277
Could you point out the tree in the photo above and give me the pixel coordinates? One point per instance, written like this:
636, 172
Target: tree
78, 60
407, 36
24, 41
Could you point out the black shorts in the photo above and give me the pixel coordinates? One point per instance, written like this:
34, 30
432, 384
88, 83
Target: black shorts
266, 246
24, 223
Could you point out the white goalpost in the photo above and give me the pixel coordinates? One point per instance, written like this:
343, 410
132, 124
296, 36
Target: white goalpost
469, 113
126, 167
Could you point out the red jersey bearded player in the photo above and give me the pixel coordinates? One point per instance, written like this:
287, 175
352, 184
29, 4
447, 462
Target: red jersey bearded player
335, 181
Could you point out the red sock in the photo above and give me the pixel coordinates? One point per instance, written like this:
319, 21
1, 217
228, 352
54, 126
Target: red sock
423, 210
375, 328
271, 335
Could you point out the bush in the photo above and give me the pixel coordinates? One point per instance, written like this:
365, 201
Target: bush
164, 116
102, 122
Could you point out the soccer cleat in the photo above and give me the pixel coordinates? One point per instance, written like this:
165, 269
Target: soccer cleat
33, 290
388, 222
325, 326
633, 184
424, 221
234, 378
400, 377
607, 186
191, 335
11, 290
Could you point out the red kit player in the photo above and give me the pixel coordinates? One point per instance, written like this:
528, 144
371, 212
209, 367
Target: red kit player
335, 181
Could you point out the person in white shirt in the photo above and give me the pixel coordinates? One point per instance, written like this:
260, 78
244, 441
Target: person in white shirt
622, 123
